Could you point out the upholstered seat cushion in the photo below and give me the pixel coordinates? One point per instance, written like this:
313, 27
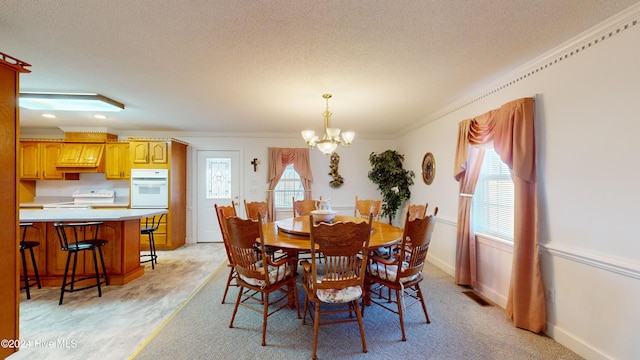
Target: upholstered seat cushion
275, 274
347, 294
389, 272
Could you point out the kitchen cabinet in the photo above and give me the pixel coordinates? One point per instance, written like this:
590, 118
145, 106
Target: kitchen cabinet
168, 154
80, 154
117, 161
150, 154
38, 160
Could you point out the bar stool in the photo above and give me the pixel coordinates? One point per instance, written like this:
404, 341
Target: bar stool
77, 237
24, 245
150, 226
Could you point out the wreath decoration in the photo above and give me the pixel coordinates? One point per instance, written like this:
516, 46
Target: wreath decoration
338, 180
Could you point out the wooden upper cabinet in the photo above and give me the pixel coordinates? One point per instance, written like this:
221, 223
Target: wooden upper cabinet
117, 161
29, 160
38, 160
49, 153
81, 154
150, 154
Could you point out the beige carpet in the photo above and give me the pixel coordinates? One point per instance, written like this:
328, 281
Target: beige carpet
460, 329
115, 325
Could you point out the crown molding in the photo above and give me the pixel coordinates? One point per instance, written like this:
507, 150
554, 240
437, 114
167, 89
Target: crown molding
607, 29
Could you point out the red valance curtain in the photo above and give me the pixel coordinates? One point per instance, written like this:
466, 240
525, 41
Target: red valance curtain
279, 158
511, 130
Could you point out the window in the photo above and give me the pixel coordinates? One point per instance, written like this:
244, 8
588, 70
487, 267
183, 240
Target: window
493, 199
289, 186
218, 181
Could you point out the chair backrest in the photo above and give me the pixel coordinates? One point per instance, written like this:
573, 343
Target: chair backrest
344, 246
23, 230
365, 207
303, 207
416, 211
254, 208
153, 222
74, 233
223, 212
242, 235
416, 239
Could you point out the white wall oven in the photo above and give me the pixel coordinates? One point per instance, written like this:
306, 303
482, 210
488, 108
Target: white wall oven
149, 188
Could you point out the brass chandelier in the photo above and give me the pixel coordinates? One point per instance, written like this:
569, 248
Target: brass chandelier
331, 137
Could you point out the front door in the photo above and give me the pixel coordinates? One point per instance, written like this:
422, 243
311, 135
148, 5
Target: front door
218, 175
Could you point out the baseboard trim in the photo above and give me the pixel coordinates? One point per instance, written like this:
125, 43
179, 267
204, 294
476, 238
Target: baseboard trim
577, 345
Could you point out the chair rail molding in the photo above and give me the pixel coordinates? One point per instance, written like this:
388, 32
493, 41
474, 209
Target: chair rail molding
596, 260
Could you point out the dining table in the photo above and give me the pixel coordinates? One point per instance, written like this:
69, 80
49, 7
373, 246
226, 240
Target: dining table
292, 234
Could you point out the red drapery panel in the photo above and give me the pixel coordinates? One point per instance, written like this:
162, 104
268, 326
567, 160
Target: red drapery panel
511, 129
279, 158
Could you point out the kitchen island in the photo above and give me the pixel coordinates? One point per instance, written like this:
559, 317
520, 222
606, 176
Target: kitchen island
121, 229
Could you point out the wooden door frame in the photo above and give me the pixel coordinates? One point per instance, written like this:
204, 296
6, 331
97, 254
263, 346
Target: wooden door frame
10, 69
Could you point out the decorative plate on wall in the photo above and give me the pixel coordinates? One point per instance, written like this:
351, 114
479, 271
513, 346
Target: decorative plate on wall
428, 168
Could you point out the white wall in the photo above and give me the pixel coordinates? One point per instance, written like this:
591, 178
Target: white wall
64, 188
354, 166
586, 123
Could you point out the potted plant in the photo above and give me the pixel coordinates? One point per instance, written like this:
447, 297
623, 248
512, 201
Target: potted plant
392, 179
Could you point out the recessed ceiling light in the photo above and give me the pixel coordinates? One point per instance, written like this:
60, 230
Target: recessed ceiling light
99, 116
49, 116
68, 102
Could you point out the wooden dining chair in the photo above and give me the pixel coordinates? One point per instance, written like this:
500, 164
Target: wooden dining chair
365, 207
303, 207
417, 211
340, 281
401, 275
257, 272
223, 212
256, 209
252, 209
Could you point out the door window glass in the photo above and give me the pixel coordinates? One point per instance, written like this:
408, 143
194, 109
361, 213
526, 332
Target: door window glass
218, 179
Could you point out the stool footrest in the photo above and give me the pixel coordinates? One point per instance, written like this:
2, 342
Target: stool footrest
103, 281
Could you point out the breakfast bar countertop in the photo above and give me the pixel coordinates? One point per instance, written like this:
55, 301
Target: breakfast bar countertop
61, 201
53, 215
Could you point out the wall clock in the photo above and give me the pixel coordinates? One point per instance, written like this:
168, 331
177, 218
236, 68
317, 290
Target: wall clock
428, 168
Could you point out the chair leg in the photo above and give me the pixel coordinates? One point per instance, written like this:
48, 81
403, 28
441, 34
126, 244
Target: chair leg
95, 267
265, 315
400, 314
35, 268
424, 306
152, 250
26, 274
64, 279
305, 308
359, 315
235, 308
73, 271
295, 298
226, 289
316, 326
104, 268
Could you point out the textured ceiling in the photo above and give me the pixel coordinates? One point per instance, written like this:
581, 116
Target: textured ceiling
262, 66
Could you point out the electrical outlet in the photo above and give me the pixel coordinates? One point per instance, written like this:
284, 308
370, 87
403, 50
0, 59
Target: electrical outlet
551, 296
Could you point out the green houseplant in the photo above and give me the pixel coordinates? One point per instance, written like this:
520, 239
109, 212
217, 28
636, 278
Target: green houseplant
392, 179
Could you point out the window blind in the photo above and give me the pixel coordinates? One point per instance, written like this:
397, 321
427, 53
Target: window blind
493, 204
